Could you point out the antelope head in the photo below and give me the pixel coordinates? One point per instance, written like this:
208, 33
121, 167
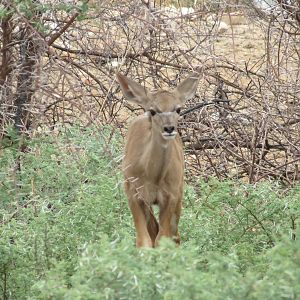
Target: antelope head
163, 107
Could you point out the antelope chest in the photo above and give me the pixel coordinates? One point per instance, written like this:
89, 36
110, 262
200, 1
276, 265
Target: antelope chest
156, 194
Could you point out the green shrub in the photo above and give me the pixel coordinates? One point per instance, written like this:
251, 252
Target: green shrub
116, 270
67, 233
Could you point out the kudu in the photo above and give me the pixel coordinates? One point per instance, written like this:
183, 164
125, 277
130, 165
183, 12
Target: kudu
153, 164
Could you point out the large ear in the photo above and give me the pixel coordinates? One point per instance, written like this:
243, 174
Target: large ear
133, 91
187, 89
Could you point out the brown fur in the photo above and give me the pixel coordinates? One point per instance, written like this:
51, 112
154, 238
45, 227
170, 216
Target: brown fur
153, 165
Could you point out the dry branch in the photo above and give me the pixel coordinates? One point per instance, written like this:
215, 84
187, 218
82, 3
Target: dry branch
244, 120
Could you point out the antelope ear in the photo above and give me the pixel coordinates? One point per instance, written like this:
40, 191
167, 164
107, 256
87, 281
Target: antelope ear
187, 89
133, 91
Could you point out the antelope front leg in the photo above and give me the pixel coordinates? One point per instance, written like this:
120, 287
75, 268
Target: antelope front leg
169, 215
137, 208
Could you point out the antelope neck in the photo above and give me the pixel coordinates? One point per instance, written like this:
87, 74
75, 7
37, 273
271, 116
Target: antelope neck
158, 156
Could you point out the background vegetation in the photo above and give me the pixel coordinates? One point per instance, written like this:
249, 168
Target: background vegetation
65, 228
58, 61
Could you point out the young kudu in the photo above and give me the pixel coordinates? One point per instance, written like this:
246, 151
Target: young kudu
153, 164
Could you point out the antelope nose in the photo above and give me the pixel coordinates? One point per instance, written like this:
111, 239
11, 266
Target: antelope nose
169, 129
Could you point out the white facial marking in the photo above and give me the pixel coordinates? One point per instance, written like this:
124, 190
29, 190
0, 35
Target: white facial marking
166, 113
169, 136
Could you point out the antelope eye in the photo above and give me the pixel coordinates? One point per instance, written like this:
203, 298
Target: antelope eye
152, 112
178, 110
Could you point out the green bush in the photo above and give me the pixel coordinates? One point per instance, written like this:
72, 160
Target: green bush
67, 233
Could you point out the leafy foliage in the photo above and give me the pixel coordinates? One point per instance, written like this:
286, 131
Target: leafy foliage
66, 231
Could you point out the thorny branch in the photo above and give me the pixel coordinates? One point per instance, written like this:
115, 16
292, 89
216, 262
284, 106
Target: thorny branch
244, 120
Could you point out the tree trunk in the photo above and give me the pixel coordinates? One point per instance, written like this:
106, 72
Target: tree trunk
25, 80
6, 68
